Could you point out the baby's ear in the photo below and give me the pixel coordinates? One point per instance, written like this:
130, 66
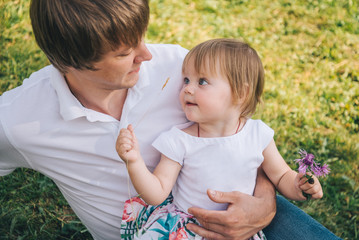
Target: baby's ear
240, 100
243, 93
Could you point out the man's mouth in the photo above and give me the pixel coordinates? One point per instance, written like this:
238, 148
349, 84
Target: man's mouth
136, 70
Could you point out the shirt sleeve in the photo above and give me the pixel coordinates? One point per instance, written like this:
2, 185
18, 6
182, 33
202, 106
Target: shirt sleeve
10, 157
170, 145
267, 134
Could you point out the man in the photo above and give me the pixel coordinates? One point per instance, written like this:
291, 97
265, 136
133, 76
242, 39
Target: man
64, 120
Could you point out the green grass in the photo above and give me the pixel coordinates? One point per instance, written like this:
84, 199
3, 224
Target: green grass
310, 53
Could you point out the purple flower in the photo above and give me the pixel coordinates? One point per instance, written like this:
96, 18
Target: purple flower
320, 171
302, 168
307, 158
307, 163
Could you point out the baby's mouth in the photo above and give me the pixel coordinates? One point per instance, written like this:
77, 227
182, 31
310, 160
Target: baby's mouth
190, 104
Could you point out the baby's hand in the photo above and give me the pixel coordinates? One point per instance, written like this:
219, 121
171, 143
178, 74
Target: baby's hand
314, 189
127, 145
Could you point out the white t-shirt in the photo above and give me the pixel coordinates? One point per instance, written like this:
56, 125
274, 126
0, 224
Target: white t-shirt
224, 163
45, 128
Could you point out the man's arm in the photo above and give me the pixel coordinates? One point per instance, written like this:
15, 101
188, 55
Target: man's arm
10, 157
245, 215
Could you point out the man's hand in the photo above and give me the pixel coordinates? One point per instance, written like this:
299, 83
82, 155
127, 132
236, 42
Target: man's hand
244, 217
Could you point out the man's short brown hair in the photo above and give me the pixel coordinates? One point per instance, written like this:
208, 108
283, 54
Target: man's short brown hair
76, 33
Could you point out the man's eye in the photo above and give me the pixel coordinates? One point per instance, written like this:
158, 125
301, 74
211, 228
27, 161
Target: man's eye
186, 80
125, 53
202, 81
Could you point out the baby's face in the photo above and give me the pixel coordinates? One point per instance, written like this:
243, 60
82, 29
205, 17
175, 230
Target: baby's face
206, 98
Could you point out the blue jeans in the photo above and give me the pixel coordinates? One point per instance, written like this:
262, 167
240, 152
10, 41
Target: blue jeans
292, 223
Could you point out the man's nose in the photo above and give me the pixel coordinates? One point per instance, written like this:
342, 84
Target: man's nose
143, 54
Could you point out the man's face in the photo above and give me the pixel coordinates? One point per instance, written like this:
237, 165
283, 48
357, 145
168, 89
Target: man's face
116, 70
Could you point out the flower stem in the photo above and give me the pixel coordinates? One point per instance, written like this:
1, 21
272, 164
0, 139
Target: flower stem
306, 195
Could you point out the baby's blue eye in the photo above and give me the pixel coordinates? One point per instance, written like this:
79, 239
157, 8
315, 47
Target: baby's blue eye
186, 80
203, 81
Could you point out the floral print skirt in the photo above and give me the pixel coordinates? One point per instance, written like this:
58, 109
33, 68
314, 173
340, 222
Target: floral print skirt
165, 221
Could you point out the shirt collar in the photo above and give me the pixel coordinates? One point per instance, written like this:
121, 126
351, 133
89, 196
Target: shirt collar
70, 106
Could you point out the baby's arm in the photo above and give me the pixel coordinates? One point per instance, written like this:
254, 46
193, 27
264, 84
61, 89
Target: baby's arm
153, 188
287, 181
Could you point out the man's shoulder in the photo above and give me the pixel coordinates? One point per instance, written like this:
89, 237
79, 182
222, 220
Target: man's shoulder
36, 84
167, 51
165, 46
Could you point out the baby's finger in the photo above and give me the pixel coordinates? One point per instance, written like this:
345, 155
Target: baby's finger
125, 133
132, 132
122, 149
311, 189
315, 193
299, 177
130, 127
125, 137
307, 178
318, 194
126, 147
125, 140
302, 181
306, 186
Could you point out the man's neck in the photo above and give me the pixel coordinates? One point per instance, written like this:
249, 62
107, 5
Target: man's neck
109, 102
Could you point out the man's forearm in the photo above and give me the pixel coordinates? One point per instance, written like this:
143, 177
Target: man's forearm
264, 187
265, 190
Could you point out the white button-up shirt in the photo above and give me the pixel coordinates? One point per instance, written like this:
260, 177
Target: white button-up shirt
45, 128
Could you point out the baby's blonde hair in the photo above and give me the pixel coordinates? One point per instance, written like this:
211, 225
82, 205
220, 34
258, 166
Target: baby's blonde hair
236, 61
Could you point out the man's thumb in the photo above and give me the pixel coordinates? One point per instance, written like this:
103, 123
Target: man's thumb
222, 197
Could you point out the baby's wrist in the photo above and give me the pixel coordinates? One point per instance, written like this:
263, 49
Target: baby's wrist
133, 162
